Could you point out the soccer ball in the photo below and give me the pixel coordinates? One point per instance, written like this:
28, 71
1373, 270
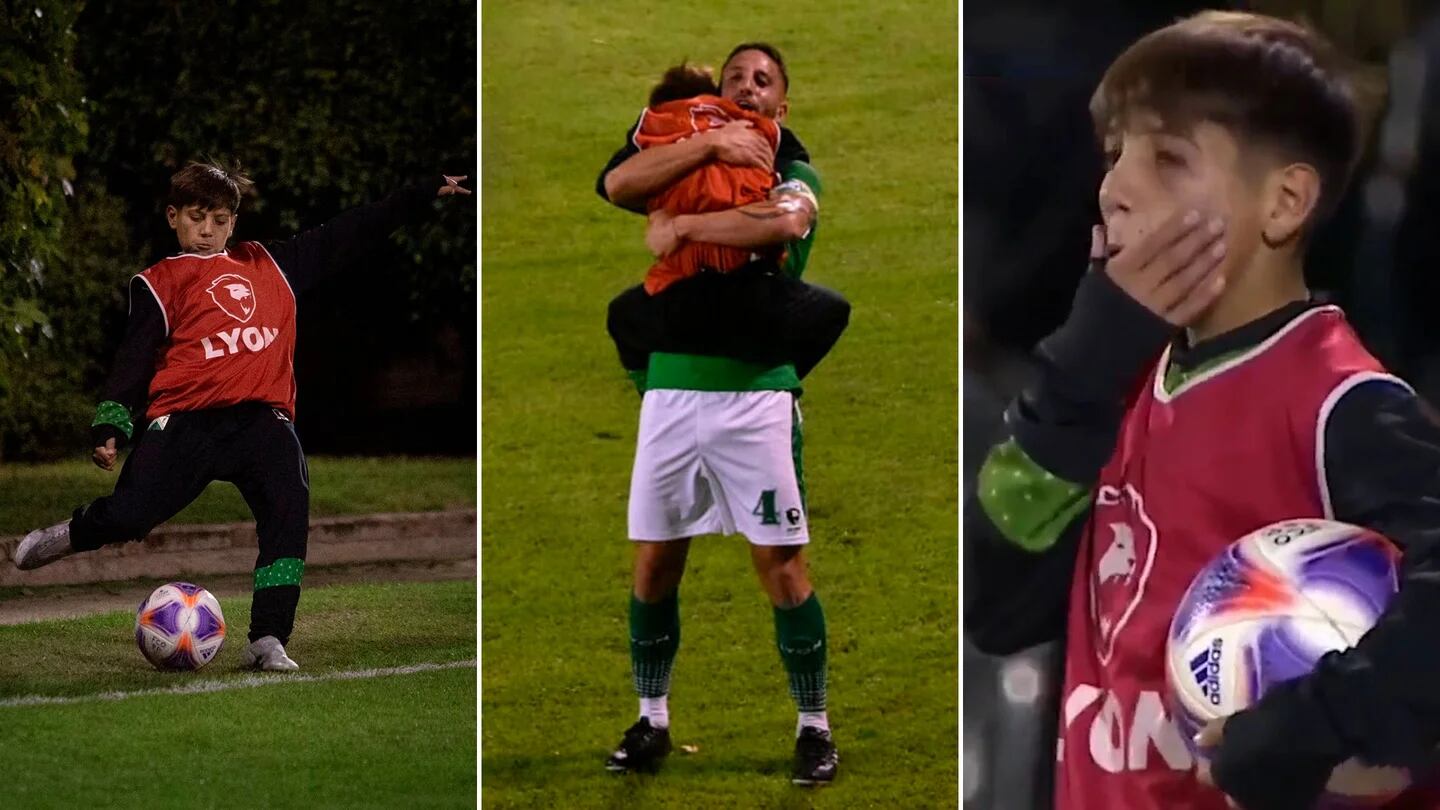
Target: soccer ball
179, 627
1265, 611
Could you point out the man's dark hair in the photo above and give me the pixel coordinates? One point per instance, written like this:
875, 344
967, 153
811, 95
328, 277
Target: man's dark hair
1271, 82
208, 185
767, 49
684, 81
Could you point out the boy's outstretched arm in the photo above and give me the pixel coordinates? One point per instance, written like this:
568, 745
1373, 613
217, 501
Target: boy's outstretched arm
123, 396
317, 254
1379, 701
1034, 491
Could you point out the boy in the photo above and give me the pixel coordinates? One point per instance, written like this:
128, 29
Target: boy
206, 364
1196, 394
761, 311
685, 104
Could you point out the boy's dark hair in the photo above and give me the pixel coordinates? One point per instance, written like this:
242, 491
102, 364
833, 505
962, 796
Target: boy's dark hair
767, 49
208, 185
684, 81
1271, 82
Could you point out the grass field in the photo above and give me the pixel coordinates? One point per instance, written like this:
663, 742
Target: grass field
873, 97
397, 740
34, 495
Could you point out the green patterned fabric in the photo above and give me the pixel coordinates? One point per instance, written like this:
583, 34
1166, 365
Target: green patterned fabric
116, 415
800, 637
654, 641
1026, 502
284, 571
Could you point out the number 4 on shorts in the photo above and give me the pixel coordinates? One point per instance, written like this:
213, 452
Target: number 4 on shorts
765, 509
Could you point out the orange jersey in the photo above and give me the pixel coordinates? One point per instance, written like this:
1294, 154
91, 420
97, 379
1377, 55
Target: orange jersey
714, 186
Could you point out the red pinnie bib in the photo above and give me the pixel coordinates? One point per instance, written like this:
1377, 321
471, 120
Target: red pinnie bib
230, 324
1231, 450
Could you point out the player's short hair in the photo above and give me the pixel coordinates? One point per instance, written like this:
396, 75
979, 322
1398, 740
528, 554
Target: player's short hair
1273, 83
684, 81
208, 185
767, 49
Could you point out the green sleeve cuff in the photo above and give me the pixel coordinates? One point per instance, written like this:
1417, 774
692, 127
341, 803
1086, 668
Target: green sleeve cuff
116, 415
1026, 502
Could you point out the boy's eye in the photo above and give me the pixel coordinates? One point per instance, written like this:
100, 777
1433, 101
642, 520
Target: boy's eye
1166, 157
1112, 156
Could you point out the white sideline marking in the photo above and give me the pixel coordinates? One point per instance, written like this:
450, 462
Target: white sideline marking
247, 682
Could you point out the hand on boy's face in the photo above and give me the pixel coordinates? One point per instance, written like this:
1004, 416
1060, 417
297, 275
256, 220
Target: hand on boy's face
1174, 270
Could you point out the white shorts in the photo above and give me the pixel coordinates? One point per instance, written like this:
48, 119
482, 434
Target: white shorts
718, 462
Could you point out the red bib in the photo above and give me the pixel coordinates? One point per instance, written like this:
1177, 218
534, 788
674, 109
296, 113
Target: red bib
1231, 450
713, 186
230, 324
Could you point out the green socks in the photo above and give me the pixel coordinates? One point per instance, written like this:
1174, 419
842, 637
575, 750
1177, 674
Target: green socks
800, 636
654, 640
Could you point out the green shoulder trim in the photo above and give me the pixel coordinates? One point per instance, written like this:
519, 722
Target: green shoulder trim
1026, 502
1176, 376
693, 372
116, 415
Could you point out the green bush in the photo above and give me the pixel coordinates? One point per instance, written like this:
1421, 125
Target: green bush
327, 108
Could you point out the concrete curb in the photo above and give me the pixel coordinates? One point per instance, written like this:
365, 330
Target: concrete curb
176, 552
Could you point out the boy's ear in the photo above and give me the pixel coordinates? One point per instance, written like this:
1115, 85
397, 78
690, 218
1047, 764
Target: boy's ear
1294, 195
171, 213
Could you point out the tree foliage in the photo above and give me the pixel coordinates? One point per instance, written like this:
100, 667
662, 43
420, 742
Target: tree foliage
326, 106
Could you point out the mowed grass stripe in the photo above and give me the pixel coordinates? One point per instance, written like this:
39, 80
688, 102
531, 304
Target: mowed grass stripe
246, 682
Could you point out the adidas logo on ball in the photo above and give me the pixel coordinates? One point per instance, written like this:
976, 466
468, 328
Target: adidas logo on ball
1206, 669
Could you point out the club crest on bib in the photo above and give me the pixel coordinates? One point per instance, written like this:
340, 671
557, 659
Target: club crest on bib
1125, 543
709, 113
235, 295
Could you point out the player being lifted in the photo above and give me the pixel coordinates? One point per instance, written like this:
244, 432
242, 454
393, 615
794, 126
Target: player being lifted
1195, 394
740, 471
700, 149
204, 386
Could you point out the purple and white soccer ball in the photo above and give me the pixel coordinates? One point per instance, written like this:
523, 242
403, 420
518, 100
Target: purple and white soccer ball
1264, 612
179, 627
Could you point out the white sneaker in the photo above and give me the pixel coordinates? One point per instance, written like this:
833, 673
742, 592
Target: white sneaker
268, 654
44, 546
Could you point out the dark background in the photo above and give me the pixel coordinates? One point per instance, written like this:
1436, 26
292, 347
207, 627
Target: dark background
1031, 171
326, 105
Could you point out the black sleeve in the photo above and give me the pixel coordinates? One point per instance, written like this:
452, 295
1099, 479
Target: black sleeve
789, 151
1014, 599
621, 155
1382, 464
317, 254
134, 366
1066, 423
1377, 700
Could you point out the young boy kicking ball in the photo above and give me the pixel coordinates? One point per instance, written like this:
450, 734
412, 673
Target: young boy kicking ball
206, 373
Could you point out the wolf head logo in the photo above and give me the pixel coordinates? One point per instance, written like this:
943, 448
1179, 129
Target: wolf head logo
235, 295
1126, 540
